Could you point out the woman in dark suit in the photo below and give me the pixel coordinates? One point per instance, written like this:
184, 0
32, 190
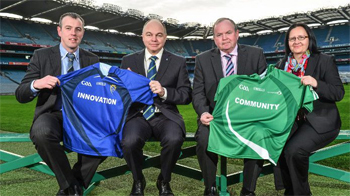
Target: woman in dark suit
311, 131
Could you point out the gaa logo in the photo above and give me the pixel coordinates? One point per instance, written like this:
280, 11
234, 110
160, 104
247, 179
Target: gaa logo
85, 83
245, 88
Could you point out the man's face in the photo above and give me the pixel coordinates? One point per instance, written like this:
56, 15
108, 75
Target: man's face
71, 33
225, 36
154, 37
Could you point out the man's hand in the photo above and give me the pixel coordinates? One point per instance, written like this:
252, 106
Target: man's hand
48, 82
206, 118
157, 88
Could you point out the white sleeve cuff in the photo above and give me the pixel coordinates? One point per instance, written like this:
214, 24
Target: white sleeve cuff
165, 94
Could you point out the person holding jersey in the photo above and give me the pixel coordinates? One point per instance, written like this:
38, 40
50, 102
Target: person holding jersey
41, 82
162, 121
311, 131
210, 66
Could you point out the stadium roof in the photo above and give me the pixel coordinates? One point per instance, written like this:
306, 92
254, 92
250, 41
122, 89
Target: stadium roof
109, 16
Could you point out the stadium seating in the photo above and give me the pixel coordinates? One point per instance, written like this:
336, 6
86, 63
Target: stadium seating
34, 32
321, 36
112, 46
6, 60
10, 34
176, 47
340, 35
16, 75
251, 40
268, 42
201, 45
7, 86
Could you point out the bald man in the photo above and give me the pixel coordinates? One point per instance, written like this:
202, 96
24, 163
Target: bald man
170, 82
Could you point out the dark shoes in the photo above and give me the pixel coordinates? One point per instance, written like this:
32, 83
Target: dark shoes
138, 187
247, 193
210, 191
74, 190
164, 188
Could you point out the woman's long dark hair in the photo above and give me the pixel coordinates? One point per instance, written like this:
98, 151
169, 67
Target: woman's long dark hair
312, 39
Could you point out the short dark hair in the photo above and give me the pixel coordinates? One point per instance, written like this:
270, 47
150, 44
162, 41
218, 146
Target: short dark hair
222, 19
312, 39
154, 19
73, 15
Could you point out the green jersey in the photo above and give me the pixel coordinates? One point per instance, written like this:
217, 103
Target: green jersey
253, 116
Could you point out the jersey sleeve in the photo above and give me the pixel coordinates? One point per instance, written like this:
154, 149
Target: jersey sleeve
137, 85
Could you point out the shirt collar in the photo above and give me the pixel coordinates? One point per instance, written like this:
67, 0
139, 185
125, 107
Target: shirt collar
233, 53
64, 53
148, 55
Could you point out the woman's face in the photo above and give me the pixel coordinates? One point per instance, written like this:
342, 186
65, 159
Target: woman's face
298, 40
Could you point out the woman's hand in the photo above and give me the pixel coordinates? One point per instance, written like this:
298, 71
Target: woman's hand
309, 80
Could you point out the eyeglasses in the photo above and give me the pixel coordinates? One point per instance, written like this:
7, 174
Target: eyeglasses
300, 38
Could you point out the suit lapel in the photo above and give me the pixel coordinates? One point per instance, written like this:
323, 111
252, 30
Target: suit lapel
311, 64
140, 63
241, 59
83, 61
216, 62
55, 58
164, 64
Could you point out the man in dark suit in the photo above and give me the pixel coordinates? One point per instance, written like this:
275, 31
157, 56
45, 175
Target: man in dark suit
229, 58
172, 86
40, 81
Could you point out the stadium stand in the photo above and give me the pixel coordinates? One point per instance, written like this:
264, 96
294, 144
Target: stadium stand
20, 37
251, 40
9, 80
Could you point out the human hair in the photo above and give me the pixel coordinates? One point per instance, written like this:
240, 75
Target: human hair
312, 39
72, 15
143, 29
222, 19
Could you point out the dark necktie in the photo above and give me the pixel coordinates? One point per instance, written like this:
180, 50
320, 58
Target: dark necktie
70, 62
229, 65
148, 113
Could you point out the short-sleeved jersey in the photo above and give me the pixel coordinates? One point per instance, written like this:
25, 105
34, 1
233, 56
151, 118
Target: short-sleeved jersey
253, 116
95, 103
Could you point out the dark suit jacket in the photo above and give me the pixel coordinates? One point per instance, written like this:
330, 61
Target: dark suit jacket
172, 75
47, 61
208, 72
325, 116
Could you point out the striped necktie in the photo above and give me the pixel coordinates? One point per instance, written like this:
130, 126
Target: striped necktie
70, 68
71, 57
148, 113
229, 65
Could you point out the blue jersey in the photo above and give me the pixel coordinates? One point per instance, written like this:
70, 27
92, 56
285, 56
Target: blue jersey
95, 103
